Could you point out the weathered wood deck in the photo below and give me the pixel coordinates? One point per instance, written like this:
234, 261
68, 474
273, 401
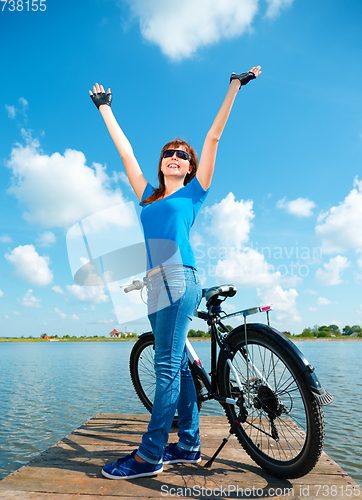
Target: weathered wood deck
71, 469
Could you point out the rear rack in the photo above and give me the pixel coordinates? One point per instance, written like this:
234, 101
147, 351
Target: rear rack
245, 313
249, 312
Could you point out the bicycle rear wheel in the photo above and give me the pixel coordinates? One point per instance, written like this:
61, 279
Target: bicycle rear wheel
143, 372
284, 428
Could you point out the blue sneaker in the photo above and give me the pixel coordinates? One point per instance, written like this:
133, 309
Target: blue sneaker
175, 455
128, 468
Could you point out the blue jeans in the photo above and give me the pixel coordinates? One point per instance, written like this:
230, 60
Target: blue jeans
173, 295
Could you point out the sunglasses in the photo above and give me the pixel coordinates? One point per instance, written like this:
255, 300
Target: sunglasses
179, 153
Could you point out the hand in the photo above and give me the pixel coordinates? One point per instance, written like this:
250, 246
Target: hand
255, 70
244, 78
99, 97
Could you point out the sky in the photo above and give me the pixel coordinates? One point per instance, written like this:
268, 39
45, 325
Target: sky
283, 217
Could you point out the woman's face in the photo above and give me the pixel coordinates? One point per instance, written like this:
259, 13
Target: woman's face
174, 166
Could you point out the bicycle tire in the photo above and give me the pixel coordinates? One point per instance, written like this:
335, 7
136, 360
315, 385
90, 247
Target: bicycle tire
143, 373
291, 446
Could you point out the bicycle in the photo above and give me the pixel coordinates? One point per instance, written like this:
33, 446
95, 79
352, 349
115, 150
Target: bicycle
270, 393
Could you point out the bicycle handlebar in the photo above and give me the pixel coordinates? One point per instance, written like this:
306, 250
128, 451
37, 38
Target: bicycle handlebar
136, 285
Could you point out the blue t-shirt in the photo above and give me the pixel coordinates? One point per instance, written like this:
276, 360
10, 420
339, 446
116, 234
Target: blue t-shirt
167, 222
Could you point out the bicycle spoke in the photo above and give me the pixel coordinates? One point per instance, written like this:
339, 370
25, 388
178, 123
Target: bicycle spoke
277, 422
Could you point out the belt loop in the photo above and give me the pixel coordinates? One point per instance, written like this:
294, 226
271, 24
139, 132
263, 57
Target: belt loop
149, 282
163, 275
193, 273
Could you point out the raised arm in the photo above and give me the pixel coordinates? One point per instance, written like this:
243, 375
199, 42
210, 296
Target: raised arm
209, 150
134, 172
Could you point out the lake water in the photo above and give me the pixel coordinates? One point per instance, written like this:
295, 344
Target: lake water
49, 389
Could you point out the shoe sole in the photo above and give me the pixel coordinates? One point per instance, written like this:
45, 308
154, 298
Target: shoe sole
180, 461
133, 476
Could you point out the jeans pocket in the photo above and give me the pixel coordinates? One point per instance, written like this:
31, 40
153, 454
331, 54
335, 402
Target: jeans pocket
171, 293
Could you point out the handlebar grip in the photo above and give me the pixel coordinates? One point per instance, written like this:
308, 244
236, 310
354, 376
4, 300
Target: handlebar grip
136, 285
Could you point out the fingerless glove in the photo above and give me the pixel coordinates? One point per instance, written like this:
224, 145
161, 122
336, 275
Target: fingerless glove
244, 78
101, 98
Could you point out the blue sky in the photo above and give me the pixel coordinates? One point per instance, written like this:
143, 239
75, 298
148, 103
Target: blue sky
283, 217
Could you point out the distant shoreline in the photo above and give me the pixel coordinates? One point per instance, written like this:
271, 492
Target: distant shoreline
324, 338
90, 339
197, 339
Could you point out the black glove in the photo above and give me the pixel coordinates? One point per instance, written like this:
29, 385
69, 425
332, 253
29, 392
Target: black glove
101, 98
244, 78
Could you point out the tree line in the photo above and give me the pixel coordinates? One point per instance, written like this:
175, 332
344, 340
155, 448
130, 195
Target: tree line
315, 332
331, 331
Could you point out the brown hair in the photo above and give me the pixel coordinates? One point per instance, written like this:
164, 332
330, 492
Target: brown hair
160, 191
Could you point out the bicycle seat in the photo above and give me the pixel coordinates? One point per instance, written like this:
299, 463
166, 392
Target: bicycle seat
222, 291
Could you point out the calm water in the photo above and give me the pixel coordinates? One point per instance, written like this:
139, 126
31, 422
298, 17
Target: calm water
49, 389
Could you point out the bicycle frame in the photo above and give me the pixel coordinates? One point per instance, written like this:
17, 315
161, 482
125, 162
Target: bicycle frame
260, 378
213, 319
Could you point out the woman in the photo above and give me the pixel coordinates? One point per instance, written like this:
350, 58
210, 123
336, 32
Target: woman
173, 286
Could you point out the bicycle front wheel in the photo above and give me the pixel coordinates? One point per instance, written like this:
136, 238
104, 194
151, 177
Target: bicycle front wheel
284, 428
143, 372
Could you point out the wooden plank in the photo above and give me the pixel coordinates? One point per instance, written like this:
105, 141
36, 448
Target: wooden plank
71, 469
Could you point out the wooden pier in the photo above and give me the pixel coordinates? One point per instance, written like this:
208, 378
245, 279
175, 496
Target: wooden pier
71, 469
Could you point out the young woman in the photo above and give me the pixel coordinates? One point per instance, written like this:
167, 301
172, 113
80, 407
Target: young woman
173, 286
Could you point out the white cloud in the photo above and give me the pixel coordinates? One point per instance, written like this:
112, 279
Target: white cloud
58, 190
1, 293
331, 275
180, 27
283, 301
231, 224
92, 294
275, 7
121, 176
102, 322
359, 264
323, 301
5, 239
17, 313
60, 313
74, 317
231, 220
359, 261
13, 111
301, 207
245, 266
92, 308
30, 266
29, 300
46, 239
58, 289
340, 227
